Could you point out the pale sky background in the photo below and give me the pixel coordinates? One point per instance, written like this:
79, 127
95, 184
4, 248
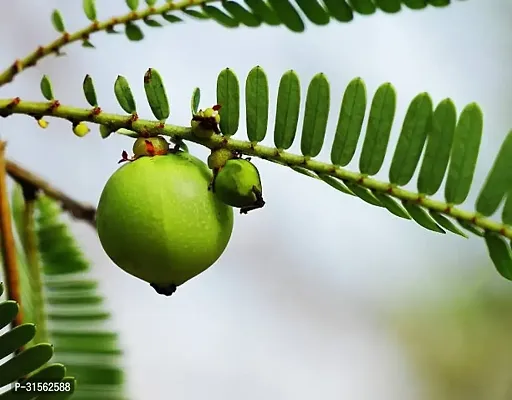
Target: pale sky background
296, 307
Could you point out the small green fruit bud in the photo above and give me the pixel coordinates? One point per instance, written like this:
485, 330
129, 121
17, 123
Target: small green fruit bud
81, 129
218, 158
152, 146
238, 184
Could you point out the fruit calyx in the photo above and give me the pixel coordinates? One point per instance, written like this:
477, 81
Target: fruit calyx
148, 147
206, 123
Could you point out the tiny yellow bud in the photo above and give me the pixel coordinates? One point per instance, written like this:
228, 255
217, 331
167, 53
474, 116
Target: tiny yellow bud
42, 123
81, 129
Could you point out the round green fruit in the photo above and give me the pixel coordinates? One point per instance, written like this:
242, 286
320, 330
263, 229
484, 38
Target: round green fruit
157, 220
238, 184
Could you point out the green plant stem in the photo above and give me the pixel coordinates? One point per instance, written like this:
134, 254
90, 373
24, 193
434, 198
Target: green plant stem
8, 246
83, 34
153, 128
34, 266
77, 209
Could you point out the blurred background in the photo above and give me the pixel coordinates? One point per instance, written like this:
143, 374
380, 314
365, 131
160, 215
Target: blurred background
318, 295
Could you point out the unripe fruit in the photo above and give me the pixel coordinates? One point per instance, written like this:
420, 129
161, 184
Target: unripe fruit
238, 184
81, 129
152, 146
157, 220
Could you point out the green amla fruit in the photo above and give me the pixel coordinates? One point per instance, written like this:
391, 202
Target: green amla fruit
205, 123
238, 184
157, 220
152, 146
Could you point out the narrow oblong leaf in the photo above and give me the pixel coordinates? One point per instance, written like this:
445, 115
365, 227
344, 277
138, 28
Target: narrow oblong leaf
380, 121
89, 7
194, 101
392, 206
220, 17
303, 171
339, 10
287, 110
350, 122
499, 180
241, 14
155, 93
263, 11
171, 18
363, 7
363, 193
388, 6
152, 23
195, 14
58, 22
132, 4
446, 223
466, 145
421, 217
288, 15
8, 311
16, 338
314, 11
315, 116
88, 44
90, 91
256, 104
506, 215
151, 3
46, 88
335, 183
411, 141
415, 4
499, 251
133, 32
439, 146
124, 95
228, 96
25, 362
470, 227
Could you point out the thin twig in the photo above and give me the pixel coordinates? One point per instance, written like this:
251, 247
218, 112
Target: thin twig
8, 244
26, 178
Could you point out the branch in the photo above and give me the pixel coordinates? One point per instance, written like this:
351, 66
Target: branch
8, 245
83, 34
146, 127
28, 180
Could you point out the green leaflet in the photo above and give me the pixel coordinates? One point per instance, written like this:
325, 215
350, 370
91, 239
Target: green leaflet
364, 7
8, 311
335, 183
380, 121
220, 17
132, 4
195, 14
16, 338
501, 256
288, 15
470, 228
151, 3
228, 97
25, 362
314, 11
155, 93
89, 7
350, 122
124, 95
263, 11
152, 23
133, 32
256, 104
415, 4
194, 101
392, 206
439, 145
287, 111
50, 373
388, 6
363, 193
171, 18
411, 141
446, 223
506, 215
439, 3
421, 217
46, 88
241, 14
303, 171
499, 180
58, 22
466, 145
339, 10
315, 116
89, 91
